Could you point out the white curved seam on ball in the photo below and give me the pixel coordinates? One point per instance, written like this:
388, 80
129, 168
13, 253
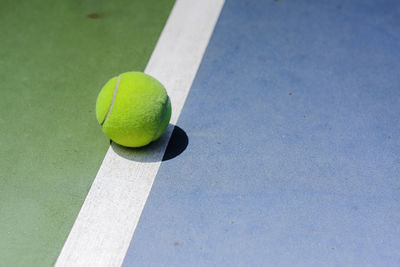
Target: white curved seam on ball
165, 107
112, 100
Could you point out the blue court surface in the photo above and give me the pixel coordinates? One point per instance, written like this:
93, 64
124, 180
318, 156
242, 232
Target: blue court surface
294, 149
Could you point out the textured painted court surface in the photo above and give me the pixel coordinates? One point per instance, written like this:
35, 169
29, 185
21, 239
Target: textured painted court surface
54, 58
294, 147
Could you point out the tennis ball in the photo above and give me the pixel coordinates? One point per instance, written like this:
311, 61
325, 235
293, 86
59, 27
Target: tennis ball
133, 109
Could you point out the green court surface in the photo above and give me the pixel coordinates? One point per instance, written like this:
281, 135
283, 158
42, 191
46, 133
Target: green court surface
54, 58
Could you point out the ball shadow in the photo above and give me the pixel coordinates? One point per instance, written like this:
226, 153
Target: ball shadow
177, 143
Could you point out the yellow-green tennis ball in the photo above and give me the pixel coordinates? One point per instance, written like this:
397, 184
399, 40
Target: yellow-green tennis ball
133, 109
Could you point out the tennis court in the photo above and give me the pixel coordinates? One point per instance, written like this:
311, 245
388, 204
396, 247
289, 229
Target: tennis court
283, 147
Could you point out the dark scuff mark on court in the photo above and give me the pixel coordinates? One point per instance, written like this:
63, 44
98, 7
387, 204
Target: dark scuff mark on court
94, 16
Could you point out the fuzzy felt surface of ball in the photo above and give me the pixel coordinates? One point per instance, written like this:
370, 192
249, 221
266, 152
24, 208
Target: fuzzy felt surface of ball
133, 109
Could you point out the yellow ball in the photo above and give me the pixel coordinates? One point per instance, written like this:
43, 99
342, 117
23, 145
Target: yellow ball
133, 109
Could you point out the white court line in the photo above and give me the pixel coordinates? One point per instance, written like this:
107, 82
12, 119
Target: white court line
107, 220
